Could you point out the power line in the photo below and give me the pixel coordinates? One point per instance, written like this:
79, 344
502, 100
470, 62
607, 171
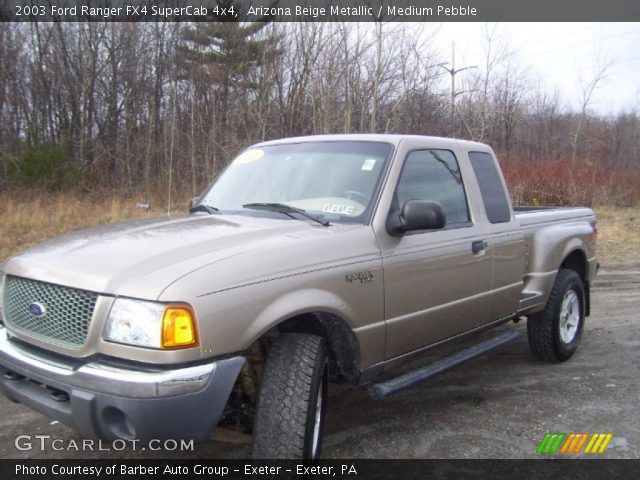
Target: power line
613, 65
574, 45
517, 47
563, 34
633, 59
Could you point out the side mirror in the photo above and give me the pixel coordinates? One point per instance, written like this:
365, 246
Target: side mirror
417, 215
422, 215
193, 202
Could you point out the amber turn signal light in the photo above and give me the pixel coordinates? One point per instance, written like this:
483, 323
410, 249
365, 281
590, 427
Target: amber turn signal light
178, 327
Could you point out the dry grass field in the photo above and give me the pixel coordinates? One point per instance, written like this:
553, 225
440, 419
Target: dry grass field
619, 236
28, 217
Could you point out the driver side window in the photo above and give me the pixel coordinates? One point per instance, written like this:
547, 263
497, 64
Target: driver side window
434, 175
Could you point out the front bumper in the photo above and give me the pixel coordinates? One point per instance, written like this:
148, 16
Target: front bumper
103, 401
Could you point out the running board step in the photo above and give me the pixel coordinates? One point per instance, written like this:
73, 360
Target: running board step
383, 390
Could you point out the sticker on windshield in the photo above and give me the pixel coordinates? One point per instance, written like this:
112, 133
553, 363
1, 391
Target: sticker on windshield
368, 164
249, 156
339, 209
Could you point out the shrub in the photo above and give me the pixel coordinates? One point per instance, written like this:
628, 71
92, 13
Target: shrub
570, 182
45, 166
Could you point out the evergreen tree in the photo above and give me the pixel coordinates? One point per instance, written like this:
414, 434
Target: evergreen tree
222, 57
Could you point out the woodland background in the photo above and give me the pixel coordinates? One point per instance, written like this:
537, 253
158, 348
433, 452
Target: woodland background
156, 110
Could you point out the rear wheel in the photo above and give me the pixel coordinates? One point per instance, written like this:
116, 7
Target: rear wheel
554, 333
292, 399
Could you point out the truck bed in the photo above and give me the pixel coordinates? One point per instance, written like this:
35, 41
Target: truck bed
530, 216
544, 231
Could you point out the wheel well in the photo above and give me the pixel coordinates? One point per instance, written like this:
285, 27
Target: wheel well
342, 343
343, 351
577, 261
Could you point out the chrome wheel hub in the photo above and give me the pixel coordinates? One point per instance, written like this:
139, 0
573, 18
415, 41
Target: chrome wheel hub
569, 316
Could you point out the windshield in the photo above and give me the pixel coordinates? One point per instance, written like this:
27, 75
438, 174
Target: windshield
334, 181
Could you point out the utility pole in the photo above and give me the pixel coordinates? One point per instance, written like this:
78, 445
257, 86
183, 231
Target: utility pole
453, 71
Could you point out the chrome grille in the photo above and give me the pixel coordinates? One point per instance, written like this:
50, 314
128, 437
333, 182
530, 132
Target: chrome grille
66, 314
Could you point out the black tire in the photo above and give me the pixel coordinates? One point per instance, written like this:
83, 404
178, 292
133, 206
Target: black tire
294, 382
553, 337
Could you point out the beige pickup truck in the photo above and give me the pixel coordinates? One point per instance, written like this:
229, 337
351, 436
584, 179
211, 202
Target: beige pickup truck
306, 259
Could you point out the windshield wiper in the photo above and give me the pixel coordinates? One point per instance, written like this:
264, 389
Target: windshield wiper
203, 208
284, 209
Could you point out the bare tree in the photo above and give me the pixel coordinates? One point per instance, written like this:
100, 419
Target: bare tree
129, 105
587, 87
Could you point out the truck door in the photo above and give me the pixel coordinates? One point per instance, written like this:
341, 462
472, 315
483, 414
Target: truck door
437, 282
506, 238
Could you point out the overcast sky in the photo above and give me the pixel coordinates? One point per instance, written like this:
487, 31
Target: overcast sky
558, 54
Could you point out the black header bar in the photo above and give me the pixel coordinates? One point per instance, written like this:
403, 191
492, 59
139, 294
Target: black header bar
319, 470
321, 10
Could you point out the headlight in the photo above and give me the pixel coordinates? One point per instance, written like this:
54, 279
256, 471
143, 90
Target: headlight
151, 324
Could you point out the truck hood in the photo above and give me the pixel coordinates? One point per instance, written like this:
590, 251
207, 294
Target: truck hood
142, 258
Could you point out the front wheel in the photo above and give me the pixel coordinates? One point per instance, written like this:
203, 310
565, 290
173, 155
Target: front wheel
292, 400
554, 333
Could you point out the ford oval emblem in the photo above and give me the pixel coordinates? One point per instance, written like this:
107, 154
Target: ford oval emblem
37, 309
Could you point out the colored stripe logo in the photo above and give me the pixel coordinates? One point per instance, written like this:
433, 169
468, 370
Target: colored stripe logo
574, 443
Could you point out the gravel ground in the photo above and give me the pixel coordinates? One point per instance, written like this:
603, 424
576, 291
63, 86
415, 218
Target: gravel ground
499, 406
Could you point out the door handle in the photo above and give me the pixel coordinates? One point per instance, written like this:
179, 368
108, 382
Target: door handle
478, 246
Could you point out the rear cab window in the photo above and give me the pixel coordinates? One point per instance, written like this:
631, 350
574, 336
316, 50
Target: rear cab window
494, 196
